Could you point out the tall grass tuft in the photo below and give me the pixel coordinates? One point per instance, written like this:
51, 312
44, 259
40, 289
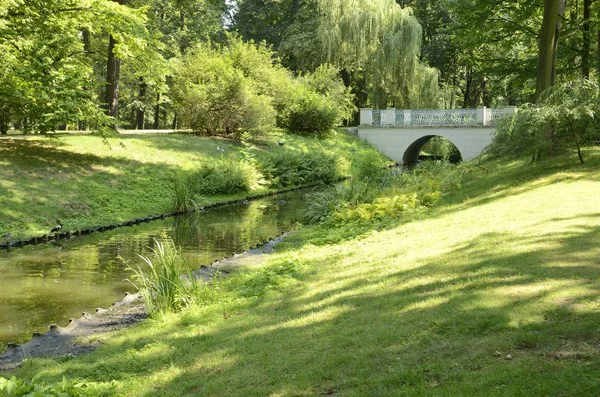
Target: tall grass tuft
168, 284
183, 198
224, 176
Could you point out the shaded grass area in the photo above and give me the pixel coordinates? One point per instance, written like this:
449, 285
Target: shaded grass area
495, 294
87, 182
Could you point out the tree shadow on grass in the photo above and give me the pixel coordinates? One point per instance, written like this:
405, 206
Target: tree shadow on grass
77, 188
469, 322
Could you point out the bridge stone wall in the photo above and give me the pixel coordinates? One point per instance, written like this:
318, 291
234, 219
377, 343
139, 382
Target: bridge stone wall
403, 144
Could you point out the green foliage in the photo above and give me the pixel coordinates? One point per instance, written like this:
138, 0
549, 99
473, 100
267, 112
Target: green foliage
371, 166
385, 197
167, 284
14, 387
384, 207
320, 103
311, 114
47, 75
337, 198
213, 96
283, 167
566, 117
183, 198
224, 177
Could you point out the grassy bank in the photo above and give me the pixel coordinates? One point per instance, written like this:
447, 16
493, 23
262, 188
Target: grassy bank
87, 182
494, 293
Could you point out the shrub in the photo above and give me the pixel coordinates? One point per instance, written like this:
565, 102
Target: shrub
371, 165
283, 167
224, 177
566, 117
213, 97
311, 114
320, 103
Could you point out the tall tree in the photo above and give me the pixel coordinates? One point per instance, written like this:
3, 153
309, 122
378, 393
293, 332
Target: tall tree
383, 40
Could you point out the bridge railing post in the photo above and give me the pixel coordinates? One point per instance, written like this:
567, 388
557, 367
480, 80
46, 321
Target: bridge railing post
407, 117
483, 116
366, 116
388, 116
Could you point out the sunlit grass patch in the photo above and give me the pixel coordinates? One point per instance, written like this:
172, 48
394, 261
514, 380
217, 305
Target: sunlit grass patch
496, 293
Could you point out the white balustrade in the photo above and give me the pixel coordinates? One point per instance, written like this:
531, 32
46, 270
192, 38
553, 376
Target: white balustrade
434, 117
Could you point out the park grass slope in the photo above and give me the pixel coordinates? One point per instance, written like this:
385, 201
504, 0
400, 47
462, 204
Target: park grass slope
494, 293
86, 181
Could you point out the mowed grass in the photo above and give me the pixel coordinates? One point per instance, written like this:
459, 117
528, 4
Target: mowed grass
87, 182
495, 293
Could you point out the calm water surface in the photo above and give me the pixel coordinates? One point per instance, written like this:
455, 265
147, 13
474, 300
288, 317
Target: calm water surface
50, 283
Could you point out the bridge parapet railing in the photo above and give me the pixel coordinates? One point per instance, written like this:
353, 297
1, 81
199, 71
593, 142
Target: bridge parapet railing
434, 117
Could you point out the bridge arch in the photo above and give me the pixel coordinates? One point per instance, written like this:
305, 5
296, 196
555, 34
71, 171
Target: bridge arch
400, 134
412, 153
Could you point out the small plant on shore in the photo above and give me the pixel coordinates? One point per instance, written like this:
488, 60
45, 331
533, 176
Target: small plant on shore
224, 177
168, 284
183, 198
35, 387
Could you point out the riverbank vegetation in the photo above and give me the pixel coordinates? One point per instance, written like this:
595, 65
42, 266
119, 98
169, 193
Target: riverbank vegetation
484, 294
84, 181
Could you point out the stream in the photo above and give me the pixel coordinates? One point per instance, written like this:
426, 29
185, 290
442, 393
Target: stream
50, 283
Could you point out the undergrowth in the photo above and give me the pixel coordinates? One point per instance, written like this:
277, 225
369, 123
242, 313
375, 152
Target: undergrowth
387, 195
73, 388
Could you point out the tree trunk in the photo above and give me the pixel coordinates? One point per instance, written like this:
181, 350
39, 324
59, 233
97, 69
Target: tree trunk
587, 39
182, 43
485, 93
561, 14
469, 82
113, 69
157, 113
113, 73
546, 46
3, 122
141, 113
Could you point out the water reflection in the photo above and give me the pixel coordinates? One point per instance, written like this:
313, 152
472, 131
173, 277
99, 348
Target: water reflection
53, 282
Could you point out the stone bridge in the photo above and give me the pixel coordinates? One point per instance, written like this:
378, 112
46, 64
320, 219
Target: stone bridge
401, 134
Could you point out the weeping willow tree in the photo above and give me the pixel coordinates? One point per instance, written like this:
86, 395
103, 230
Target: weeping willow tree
382, 40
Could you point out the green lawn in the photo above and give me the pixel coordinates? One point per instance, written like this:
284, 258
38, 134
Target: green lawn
495, 293
87, 182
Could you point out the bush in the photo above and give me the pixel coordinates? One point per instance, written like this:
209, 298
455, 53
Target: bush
568, 116
213, 97
371, 165
224, 177
320, 103
386, 197
283, 168
311, 114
